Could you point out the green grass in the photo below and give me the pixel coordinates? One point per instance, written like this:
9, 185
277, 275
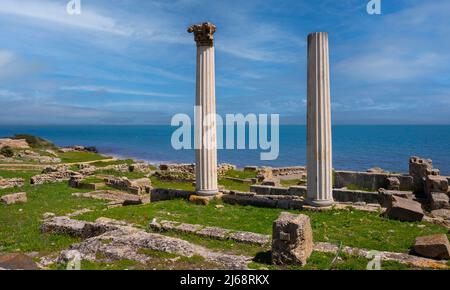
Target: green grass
75, 156
352, 228
130, 175
291, 182
240, 174
20, 223
115, 162
324, 261
157, 183
234, 185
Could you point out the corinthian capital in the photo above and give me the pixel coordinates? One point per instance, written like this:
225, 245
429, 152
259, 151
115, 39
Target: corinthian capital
203, 33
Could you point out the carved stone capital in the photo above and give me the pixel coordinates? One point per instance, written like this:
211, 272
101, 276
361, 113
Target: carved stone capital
203, 33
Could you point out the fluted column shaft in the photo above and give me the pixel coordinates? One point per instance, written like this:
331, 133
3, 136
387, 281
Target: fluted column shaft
319, 150
206, 156
205, 119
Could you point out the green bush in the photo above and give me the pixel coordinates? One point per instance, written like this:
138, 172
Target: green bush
7, 151
35, 142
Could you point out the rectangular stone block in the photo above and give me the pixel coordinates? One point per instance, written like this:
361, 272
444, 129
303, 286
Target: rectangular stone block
404, 210
292, 239
297, 190
260, 189
8, 199
439, 200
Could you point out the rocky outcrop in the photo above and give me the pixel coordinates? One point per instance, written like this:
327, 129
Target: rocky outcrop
292, 239
14, 143
434, 246
404, 209
8, 199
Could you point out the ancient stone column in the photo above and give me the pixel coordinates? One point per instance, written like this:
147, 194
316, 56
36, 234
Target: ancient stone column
205, 119
319, 158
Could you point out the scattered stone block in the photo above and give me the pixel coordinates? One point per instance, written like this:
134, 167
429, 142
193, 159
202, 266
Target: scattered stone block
392, 183
434, 246
376, 170
74, 228
271, 182
404, 210
439, 200
385, 196
203, 200
214, 233
17, 261
11, 182
436, 183
9, 199
251, 168
292, 239
250, 238
441, 213
419, 169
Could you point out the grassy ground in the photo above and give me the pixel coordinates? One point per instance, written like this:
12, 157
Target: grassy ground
240, 174
19, 223
19, 226
72, 157
352, 228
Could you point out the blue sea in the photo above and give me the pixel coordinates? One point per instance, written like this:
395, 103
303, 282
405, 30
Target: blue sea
354, 147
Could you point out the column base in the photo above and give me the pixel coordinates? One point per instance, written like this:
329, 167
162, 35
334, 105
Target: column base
319, 203
206, 192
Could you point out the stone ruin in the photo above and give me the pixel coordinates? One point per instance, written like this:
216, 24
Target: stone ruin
53, 174
11, 182
135, 186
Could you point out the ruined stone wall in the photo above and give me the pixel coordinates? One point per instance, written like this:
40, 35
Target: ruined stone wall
369, 180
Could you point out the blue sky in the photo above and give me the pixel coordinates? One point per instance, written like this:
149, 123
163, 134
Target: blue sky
132, 62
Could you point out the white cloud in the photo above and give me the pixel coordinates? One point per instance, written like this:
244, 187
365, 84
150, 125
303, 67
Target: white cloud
100, 89
56, 13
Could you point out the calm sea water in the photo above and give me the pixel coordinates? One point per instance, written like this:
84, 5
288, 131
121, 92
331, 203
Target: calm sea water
354, 147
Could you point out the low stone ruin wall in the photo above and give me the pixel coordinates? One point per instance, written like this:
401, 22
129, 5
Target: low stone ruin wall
136, 186
339, 194
270, 201
160, 194
369, 180
11, 182
282, 171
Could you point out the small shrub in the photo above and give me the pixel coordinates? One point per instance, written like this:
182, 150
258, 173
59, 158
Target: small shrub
7, 151
35, 142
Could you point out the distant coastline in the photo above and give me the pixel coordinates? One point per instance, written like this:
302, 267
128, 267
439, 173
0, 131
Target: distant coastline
355, 147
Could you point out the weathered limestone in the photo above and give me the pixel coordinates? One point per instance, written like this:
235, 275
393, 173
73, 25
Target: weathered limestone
8, 199
292, 240
116, 197
205, 119
11, 182
434, 246
319, 155
372, 180
404, 210
17, 261
419, 169
14, 143
52, 177
135, 186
